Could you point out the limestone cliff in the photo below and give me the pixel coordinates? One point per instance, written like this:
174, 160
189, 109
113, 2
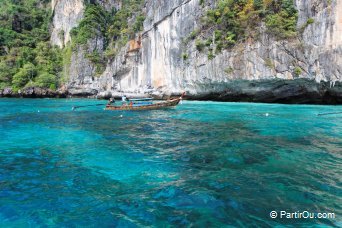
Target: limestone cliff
305, 69
66, 15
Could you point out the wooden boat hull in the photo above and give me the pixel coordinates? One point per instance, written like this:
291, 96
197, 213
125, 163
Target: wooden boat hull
159, 105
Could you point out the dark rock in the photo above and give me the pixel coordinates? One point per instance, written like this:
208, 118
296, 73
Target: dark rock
27, 92
8, 92
62, 92
36, 92
299, 91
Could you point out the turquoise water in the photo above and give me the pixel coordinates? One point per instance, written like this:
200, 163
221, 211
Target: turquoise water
201, 164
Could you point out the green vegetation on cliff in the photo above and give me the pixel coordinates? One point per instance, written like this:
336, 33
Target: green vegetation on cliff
26, 57
115, 27
111, 25
94, 23
232, 21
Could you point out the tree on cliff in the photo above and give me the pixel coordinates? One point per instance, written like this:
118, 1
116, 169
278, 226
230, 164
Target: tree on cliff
24, 75
25, 51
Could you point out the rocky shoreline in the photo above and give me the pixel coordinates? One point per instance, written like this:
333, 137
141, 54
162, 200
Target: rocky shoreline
33, 92
299, 91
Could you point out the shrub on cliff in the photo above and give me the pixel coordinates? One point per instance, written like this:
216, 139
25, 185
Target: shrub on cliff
93, 23
48, 58
281, 19
24, 43
6, 74
24, 75
120, 30
112, 26
46, 80
236, 20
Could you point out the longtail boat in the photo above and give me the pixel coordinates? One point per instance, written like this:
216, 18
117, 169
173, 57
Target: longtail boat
133, 105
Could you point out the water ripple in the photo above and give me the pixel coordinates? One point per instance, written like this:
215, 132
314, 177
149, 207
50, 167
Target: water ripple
200, 164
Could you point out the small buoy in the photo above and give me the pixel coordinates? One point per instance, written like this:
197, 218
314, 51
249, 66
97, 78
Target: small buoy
38, 111
266, 114
121, 116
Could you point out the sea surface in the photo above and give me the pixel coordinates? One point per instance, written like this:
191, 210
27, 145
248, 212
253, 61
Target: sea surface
201, 164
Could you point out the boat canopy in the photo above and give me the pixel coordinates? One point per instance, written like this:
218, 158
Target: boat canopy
141, 99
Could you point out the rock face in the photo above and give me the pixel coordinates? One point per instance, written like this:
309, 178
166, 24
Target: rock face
7, 92
83, 79
66, 15
302, 91
302, 70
